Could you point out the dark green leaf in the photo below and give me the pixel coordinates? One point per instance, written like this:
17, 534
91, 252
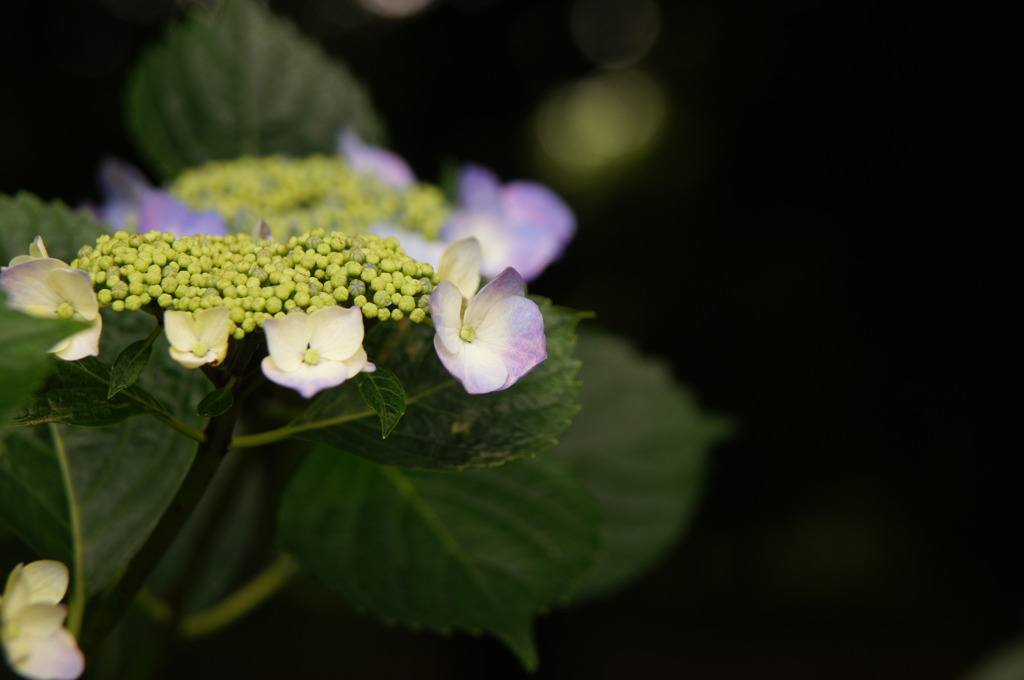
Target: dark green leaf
444, 427
215, 403
383, 392
24, 359
246, 84
64, 230
130, 364
32, 498
76, 394
640, 443
478, 550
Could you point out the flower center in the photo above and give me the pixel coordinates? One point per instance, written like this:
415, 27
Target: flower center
468, 333
312, 357
200, 348
65, 310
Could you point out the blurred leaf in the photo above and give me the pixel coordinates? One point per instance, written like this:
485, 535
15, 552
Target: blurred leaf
640, 444
32, 498
246, 84
64, 230
383, 392
24, 359
480, 550
215, 403
76, 394
129, 365
446, 428
1006, 663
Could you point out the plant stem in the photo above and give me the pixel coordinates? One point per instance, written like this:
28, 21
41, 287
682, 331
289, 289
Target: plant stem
242, 601
208, 457
76, 603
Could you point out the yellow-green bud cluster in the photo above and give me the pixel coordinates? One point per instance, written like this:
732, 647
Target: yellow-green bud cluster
295, 195
258, 279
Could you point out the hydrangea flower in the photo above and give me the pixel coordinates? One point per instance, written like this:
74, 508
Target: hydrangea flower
364, 158
200, 338
47, 287
35, 641
523, 225
130, 197
496, 340
312, 352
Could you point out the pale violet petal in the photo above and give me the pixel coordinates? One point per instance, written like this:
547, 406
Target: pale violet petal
180, 328
121, 181
74, 286
364, 158
460, 264
446, 311
507, 283
213, 327
82, 344
478, 368
305, 379
514, 330
525, 202
337, 332
416, 245
54, 657
478, 187
287, 340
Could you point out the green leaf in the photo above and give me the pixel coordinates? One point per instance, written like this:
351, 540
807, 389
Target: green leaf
76, 394
129, 364
383, 392
480, 550
32, 498
24, 359
215, 403
640, 443
63, 230
246, 84
444, 427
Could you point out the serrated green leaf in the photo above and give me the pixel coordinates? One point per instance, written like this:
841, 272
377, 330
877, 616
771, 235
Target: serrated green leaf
129, 364
640, 443
76, 394
478, 550
383, 392
64, 230
246, 84
446, 428
215, 403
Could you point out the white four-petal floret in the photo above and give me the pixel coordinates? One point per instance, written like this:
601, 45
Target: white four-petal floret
200, 338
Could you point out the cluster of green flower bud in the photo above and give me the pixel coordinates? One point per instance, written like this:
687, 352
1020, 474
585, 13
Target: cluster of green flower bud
295, 195
258, 279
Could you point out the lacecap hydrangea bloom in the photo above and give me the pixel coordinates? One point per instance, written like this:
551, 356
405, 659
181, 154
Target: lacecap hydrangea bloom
35, 641
200, 338
49, 288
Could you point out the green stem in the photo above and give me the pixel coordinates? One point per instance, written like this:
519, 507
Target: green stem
181, 426
208, 457
242, 601
248, 441
76, 603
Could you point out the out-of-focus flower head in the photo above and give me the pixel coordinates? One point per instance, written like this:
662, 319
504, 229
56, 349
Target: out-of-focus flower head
521, 224
367, 159
35, 641
132, 204
496, 340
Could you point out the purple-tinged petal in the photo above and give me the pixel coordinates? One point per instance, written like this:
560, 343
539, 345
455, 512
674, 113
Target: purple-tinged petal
364, 158
514, 330
160, 211
479, 188
507, 283
121, 181
416, 245
478, 368
535, 204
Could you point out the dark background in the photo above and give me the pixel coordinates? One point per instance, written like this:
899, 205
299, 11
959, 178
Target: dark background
812, 243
